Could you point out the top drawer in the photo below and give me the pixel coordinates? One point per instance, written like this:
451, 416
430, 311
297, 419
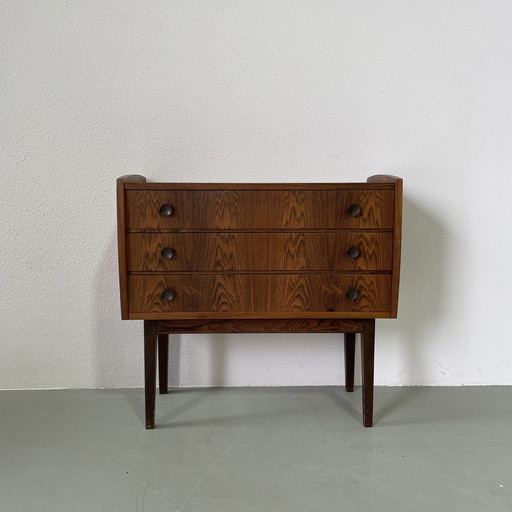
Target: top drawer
258, 209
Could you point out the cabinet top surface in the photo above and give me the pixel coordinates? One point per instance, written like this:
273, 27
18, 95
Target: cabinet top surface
258, 186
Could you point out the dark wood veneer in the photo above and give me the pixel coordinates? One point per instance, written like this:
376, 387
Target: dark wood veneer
150, 338
350, 354
259, 258
228, 251
260, 325
255, 293
381, 179
121, 237
259, 209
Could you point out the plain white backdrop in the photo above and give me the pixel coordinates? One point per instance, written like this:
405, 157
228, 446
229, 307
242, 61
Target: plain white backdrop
267, 91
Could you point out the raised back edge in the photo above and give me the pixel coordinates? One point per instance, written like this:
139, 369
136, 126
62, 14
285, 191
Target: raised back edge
383, 178
132, 178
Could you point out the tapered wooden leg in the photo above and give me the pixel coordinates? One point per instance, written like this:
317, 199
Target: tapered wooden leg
163, 363
367, 365
150, 370
350, 355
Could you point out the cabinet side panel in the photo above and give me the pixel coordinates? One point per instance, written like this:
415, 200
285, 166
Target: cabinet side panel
381, 179
121, 247
397, 247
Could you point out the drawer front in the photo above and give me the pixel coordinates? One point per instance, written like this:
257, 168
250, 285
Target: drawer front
258, 209
249, 293
228, 251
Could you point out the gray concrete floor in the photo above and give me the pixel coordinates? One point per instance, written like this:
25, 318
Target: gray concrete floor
248, 450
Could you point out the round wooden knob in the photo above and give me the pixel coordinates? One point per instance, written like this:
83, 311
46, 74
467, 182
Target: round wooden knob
167, 253
168, 294
353, 252
352, 294
354, 210
166, 210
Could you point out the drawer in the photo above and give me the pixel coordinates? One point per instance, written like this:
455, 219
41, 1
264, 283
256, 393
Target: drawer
258, 209
232, 251
249, 293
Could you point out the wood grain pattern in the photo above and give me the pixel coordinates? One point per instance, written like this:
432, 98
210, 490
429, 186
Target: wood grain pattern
259, 293
259, 325
397, 234
397, 247
261, 315
259, 251
253, 210
121, 238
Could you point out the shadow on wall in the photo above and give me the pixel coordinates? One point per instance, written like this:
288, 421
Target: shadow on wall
422, 283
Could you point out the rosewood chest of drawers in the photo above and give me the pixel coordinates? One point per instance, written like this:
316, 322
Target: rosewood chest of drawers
231, 258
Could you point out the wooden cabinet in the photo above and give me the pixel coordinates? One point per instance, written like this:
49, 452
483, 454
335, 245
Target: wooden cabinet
259, 258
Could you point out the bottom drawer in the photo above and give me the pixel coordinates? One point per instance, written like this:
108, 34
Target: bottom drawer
253, 293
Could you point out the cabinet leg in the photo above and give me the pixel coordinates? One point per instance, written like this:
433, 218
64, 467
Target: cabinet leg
350, 355
163, 363
367, 366
150, 370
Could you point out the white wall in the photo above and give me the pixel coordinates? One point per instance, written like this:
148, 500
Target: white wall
254, 91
